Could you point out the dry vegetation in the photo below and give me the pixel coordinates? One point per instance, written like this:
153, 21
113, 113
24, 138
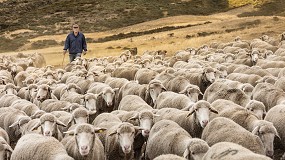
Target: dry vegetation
190, 31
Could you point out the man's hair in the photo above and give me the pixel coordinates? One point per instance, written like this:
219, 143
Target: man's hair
75, 25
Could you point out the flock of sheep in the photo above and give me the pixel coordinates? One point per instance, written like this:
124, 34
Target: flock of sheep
220, 101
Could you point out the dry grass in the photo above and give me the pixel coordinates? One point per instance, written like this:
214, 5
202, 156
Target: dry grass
223, 27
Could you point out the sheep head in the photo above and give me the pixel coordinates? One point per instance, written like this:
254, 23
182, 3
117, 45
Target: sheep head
84, 135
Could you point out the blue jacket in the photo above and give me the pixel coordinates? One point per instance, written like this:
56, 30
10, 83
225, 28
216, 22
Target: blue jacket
75, 44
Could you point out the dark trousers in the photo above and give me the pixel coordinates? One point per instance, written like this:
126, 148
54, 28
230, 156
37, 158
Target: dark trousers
72, 56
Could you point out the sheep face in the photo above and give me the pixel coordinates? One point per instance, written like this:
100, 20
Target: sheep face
146, 121
126, 134
254, 56
11, 90
155, 89
48, 128
196, 149
108, 95
266, 133
202, 110
257, 108
43, 93
90, 101
32, 93
192, 92
84, 135
48, 123
209, 75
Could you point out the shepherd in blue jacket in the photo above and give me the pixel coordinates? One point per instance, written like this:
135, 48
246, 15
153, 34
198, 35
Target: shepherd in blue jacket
75, 43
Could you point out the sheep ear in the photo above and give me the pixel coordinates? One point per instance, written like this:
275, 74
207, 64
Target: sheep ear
14, 124
183, 91
35, 126
58, 122
92, 112
116, 90
70, 120
186, 153
99, 130
115, 132
100, 94
137, 128
38, 114
71, 132
163, 88
201, 93
256, 130
7, 147
191, 111
156, 115
213, 110
136, 116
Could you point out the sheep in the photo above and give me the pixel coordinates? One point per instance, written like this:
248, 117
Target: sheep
169, 157
276, 116
173, 100
44, 92
9, 89
268, 94
116, 82
58, 89
252, 70
167, 137
13, 121
7, 99
29, 93
280, 83
233, 151
118, 138
45, 147
250, 122
144, 75
193, 120
50, 105
202, 80
148, 92
125, 72
72, 93
49, 126
231, 132
244, 78
245, 87
5, 148
267, 79
257, 108
219, 90
145, 114
28, 107
180, 84
164, 77
105, 96
83, 143
249, 62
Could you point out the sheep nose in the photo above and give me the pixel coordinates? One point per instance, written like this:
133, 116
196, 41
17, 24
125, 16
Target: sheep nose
127, 147
47, 133
205, 122
146, 131
83, 147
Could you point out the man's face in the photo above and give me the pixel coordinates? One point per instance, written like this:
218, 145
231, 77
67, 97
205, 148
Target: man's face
75, 28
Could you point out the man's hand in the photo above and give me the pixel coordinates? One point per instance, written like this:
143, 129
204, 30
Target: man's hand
64, 51
84, 52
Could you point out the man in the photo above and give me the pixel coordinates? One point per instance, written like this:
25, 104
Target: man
75, 43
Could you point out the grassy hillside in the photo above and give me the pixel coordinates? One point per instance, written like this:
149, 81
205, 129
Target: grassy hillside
23, 20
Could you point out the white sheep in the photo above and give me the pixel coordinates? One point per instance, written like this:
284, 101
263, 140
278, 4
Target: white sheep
231, 132
167, 137
232, 151
45, 147
83, 143
192, 120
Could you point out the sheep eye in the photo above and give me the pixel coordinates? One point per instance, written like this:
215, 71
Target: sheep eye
76, 134
193, 153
